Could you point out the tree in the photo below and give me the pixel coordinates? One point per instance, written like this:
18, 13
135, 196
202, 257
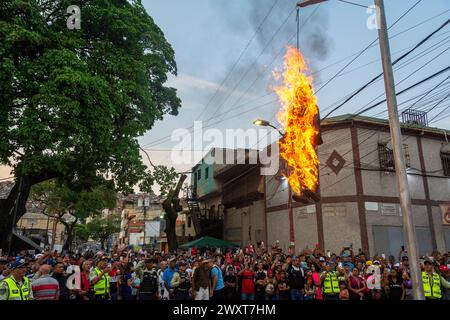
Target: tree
71, 207
169, 188
74, 102
101, 228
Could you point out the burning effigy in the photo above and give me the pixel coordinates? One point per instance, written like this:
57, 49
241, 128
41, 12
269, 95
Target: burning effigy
299, 116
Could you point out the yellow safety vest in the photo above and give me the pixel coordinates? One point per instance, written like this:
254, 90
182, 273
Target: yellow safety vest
432, 285
102, 286
331, 284
16, 293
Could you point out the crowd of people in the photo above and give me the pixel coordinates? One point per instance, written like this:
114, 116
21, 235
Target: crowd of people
250, 273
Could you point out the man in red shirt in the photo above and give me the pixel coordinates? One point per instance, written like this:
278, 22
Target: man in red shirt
248, 283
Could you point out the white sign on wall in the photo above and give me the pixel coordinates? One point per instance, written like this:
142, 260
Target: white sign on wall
388, 209
153, 229
371, 206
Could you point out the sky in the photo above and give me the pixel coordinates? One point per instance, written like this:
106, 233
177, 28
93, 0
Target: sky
210, 36
226, 51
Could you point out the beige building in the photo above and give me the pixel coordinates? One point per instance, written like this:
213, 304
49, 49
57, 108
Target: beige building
359, 203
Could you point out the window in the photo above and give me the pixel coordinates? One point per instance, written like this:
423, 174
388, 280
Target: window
445, 157
189, 222
195, 176
199, 174
206, 173
386, 156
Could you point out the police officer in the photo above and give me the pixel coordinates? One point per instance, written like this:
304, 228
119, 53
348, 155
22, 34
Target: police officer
16, 286
330, 282
432, 282
149, 288
100, 280
182, 282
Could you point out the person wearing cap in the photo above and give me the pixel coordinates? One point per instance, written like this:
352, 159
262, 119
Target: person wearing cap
181, 282
443, 268
296, 279
432, 282
149, 288
16, 286
167, 277
330, 283
100, 281
200, 281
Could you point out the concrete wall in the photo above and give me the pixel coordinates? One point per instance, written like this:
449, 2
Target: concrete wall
376, 218
439, 187
278, 228
305, 227
381, 183
244, 224
341, 226
342, 183
439, 229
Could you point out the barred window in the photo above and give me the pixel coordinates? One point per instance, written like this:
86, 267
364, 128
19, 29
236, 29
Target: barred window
386, 156
445, 157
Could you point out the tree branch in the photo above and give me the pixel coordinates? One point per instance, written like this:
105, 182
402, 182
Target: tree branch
148, 157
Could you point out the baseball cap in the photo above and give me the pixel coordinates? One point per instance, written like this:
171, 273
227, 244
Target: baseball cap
427, 261
17, 264
322, 259
376, 262
443, 268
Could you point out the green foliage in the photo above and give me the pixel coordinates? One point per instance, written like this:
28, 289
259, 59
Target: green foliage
100, 228
162, 176
82, 232
58, 199
75, 101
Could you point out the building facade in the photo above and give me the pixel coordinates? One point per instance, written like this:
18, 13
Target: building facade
228, 196
359, 205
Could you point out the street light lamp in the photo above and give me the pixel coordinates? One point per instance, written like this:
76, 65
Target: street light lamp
265, 123
305, 3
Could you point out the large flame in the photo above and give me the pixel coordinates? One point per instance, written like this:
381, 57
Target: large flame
298, 116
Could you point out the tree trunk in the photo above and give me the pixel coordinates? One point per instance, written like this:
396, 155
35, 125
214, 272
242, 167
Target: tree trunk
70, 237
7, 205
171, 207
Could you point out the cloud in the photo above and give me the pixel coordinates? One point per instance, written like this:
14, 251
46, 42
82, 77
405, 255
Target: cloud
191, 87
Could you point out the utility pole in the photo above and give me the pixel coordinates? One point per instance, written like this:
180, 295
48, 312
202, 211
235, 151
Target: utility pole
144, 200
400, 170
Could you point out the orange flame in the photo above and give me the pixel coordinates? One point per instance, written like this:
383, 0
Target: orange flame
298, 116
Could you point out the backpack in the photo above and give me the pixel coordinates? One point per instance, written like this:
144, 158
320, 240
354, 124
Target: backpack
149, 282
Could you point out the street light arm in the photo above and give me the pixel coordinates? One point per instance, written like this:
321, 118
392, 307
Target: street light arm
279, 131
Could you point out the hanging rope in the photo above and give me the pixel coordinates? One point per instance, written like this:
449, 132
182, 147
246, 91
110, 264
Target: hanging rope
298, 28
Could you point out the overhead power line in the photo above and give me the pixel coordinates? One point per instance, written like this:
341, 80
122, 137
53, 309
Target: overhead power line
393, 63
407, 89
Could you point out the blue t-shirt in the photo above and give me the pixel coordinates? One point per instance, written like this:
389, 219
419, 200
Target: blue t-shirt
216, 272
351, 265
168, 275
